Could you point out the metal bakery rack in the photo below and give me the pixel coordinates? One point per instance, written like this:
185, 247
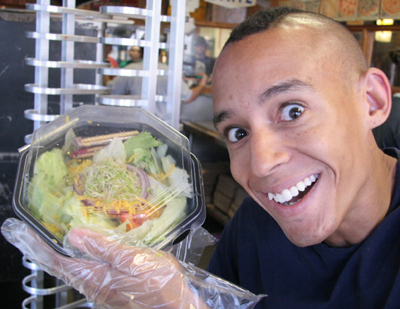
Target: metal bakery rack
34, 283
152, 45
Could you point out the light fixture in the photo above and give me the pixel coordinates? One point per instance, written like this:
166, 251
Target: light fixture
384, 22
384, 36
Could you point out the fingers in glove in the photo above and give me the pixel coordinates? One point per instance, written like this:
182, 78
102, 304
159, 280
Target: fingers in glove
153, 277
121, 256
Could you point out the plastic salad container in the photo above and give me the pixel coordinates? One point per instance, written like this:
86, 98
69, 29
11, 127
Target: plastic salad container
109, 169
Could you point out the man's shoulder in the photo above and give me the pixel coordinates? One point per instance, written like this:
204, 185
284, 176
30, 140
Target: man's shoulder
134, 66
139, 66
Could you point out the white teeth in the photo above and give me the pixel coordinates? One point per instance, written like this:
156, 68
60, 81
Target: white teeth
280, 198
293, 191
301, 186
270, 196
287, 194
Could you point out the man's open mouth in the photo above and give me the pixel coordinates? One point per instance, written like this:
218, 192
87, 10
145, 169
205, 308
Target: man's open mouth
294, 194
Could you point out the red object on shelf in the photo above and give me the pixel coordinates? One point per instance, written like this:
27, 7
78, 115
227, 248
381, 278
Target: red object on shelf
113, 62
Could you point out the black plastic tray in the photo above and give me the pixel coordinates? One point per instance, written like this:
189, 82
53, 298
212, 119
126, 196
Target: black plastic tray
173, 236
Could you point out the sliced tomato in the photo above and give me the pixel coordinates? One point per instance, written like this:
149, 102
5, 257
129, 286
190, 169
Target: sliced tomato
136, 220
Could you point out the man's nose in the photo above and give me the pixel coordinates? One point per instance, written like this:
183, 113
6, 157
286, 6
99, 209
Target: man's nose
267, 151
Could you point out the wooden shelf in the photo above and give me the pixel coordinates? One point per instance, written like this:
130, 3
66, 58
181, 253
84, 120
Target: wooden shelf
212, 24
368, 37
206, 90
205, 129
395, 89
374, 28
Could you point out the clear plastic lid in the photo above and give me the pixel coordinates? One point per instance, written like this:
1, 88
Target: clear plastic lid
112, 169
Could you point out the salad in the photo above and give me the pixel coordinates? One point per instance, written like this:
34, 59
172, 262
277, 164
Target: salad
125, 182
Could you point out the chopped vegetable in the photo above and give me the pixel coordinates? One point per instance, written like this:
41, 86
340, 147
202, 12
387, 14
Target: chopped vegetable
129, 186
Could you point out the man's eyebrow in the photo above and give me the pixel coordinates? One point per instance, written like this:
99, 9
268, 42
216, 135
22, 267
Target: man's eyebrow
293, 84
221, 117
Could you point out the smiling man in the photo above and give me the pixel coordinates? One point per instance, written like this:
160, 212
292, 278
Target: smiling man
296, 103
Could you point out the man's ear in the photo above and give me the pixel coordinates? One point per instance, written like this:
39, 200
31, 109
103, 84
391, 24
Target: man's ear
378, 95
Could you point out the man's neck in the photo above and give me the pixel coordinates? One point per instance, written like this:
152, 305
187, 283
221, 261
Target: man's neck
365, 217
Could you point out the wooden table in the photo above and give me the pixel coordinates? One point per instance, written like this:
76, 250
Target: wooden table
206, 89
207, 129
203, 128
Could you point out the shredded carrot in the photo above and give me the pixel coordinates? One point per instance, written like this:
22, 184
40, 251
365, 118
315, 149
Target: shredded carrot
144, 201
131, 158
136, 206
73, 160
80, 167
167, 174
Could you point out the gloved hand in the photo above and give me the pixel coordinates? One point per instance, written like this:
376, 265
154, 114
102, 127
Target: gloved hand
113, 275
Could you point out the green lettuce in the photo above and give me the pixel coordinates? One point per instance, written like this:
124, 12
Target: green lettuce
46, 202
51, 168
143, 140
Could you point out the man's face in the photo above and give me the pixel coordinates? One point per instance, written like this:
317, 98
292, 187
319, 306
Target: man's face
294, 129
135, 53
200, 49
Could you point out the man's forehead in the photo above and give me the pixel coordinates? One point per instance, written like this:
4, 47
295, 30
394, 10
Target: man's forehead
303, 20
267, 38
251, 51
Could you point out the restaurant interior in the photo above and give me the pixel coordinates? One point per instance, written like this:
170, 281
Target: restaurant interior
376, 27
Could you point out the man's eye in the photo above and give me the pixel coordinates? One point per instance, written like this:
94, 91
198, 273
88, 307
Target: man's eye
235, 134
291, 112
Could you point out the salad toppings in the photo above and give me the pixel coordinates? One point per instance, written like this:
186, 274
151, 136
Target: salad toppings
130, 185
103, 139
87, 147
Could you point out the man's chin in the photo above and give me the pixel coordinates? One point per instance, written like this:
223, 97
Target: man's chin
305, 239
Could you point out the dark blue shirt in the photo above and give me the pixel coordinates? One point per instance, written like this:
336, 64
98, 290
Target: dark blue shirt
254, 253
388, 134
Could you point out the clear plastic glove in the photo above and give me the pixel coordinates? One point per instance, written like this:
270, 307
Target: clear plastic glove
113, 275
191, 248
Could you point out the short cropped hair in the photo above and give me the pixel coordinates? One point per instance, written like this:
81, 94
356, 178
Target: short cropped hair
272, 17
259, 22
